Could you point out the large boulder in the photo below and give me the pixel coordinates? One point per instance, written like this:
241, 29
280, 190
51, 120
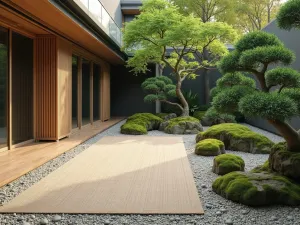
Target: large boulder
237, 137
166, 116
227, 163
257, 189
210, 147
285, 162
181, 125
141, 123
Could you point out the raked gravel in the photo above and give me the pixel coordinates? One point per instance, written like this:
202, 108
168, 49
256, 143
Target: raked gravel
217, 209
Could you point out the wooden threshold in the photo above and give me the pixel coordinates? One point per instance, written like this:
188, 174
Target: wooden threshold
19, 161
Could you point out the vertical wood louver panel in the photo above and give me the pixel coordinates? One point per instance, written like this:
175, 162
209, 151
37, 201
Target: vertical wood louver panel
105, 93
64, 76
46, 88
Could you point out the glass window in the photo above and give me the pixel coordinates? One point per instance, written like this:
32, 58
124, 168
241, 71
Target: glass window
3, 85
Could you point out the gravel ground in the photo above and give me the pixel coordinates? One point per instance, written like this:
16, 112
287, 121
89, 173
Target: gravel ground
217, 209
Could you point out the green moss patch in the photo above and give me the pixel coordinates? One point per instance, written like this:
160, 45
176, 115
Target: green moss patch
183, 119
140, 123
209, 147
238, 138
199, 114
227, 163
161, 115
257, 189
263, 168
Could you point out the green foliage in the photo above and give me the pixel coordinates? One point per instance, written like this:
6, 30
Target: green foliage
214, 117
140, 123
293, 94
160, 26
258, 56
199, 114
228, 163
176, 121
158, 89
285, 77
257, 39
192, 100
248, 189
289, 15
254, 53
209, 147
232, 79
227, 100
273, 106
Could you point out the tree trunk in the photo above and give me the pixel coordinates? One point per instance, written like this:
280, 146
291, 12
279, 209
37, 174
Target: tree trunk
185, 105
291, 136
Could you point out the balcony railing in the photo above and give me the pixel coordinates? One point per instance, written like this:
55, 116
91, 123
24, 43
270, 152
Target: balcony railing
98, 13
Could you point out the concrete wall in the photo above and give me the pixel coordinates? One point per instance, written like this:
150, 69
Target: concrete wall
113, 7
291, 40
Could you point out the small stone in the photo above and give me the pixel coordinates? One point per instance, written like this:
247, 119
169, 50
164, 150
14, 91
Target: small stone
32, 216
244, 212
229, 222
20, 219
273, 218
223, 210
56, 218
253, 219
44, 221
209, 206
218, 213
290, 218
15, 214
26, 223
203, 186
296, 209
106, 222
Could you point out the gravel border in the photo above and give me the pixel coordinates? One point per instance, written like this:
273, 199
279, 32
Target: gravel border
217, 209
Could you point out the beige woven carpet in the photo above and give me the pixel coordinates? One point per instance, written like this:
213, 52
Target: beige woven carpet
118, 175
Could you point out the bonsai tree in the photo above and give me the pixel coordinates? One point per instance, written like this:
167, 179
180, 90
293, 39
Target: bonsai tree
288, 16
160, 88
161, 35
277, 98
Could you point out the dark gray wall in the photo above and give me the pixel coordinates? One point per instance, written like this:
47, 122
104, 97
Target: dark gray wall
197, 85
291, 40
113, 7
127, 96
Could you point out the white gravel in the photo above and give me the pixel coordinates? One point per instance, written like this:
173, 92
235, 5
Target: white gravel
217, 209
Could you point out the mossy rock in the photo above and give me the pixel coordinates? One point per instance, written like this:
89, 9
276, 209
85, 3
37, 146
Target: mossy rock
210, 147
263, 168
285, 162
199, 114
257, 189
181, 125
237, 137
227, 163
166, 116
141, 123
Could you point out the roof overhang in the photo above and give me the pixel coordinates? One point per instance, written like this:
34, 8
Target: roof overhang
131, 7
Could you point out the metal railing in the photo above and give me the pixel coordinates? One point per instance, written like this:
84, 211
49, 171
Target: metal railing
99, 14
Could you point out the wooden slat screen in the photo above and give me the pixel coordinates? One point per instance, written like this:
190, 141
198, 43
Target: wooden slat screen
46, 87
64, 62
105, 90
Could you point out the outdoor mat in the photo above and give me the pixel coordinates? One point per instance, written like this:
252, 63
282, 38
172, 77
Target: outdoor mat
117, 175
